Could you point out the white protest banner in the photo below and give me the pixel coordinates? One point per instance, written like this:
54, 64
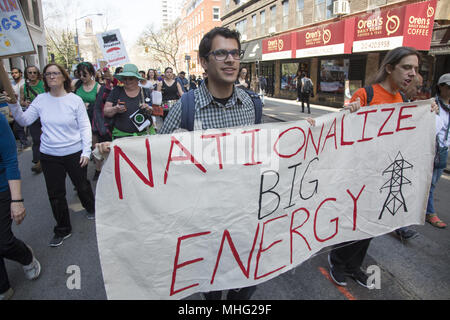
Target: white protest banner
15, 38
220, 209
113, 48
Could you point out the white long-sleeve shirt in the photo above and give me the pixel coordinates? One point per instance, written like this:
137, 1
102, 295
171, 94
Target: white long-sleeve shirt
442, 123
65, 124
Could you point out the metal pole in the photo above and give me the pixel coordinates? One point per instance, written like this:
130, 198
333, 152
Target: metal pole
77, 43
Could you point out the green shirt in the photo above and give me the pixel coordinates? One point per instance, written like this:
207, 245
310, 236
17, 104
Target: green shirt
32, 91
87, 97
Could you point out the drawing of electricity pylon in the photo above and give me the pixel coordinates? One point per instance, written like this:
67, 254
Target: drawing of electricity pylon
395, 200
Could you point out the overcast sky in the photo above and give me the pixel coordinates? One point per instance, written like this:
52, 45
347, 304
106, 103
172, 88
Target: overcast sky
130, 16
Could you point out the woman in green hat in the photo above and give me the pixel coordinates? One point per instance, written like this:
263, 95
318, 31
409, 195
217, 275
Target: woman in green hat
130, 106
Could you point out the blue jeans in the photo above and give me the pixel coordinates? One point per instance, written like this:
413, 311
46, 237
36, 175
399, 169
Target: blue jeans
437, 173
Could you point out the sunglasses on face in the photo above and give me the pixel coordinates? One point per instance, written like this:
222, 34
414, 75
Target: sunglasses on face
32, 72
222, 54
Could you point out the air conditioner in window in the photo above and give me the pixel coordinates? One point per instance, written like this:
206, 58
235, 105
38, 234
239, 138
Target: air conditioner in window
341, 7
243, 37
272, 30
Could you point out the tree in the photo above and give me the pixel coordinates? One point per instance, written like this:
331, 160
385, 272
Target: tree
62, 45
163, 45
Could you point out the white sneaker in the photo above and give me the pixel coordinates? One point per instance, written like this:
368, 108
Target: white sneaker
33, 270
7, 294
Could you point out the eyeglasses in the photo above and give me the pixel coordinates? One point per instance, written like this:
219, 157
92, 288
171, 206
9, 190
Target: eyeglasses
32, 72
222, 54
52, 74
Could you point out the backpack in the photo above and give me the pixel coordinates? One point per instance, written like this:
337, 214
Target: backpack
188, 109
369, 94
100, 124
307, 87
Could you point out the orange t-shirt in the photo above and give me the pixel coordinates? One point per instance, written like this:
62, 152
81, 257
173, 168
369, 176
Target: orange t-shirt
380, 96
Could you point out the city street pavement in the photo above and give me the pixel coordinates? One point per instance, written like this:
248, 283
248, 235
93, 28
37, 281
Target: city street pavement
414, 270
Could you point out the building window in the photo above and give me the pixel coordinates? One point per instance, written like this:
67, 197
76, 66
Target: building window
37, 20
376, 3
285, 14
216, 14
262, 16
241, 26
323, 10
333, 74
273, 19
288, 73
254, 25
26, 10
300, 6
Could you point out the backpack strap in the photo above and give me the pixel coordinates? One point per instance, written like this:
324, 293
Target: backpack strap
369, 93
257, 103
187, 110
78, 84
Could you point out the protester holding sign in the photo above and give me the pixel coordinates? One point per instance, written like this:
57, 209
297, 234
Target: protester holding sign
129, 106
28, 92
220, 54
396, 73
442, 144
65, 145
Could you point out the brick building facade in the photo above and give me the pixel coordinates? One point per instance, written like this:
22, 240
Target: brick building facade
197, 18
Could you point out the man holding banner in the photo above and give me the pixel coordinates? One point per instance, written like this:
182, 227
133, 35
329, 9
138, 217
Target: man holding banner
397, 72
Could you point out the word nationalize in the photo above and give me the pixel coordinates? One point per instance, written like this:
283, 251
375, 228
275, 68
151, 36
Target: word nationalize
334, 136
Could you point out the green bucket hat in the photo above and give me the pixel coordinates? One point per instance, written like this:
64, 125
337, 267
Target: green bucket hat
129, 70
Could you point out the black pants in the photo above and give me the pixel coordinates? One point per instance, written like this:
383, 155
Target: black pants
10, 247
55, 170
35, 132
348, 256
305, 99
233, 294
19, 132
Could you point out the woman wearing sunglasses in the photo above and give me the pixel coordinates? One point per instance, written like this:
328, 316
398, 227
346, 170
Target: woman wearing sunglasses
65, 145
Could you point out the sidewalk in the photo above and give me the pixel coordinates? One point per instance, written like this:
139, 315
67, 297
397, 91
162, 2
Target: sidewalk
290, 110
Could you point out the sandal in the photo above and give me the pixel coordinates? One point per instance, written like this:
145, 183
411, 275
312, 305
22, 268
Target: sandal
435, 221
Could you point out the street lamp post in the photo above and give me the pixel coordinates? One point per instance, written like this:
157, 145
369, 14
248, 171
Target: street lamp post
77, 39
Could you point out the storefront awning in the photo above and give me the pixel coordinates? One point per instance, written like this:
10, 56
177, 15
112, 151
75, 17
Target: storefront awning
253, 51
389, 28
440, 44
408, 25
332, 39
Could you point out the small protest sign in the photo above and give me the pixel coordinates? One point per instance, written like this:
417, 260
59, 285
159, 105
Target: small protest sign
113, 48
15, 39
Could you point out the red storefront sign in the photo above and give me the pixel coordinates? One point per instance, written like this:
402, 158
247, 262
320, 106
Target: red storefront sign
279, 47
332, 39
386, 29
419, 21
